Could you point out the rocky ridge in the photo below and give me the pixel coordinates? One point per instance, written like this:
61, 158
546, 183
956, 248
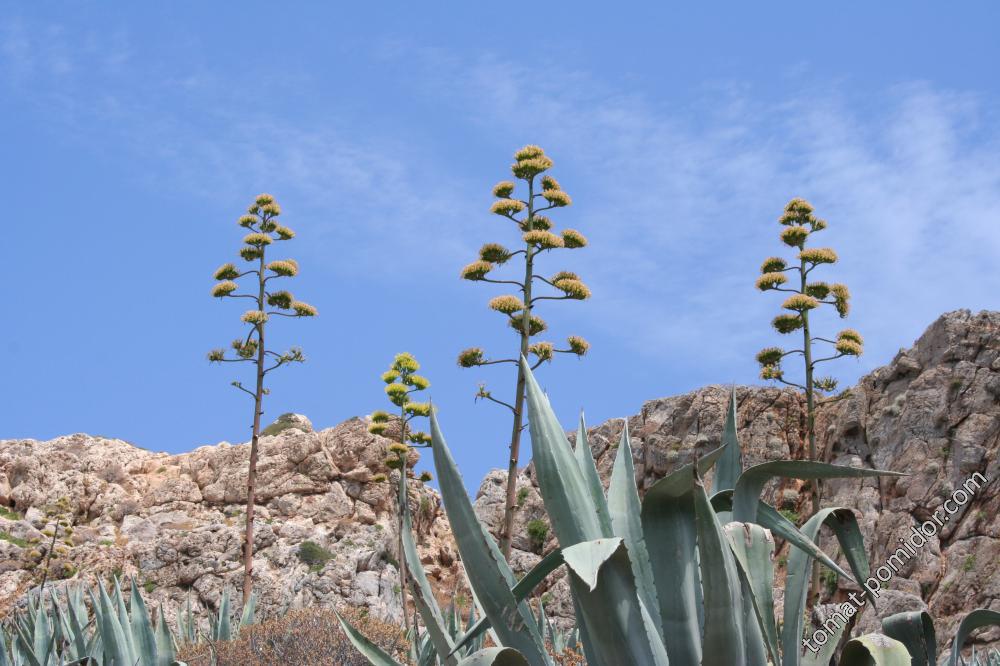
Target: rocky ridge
174, 521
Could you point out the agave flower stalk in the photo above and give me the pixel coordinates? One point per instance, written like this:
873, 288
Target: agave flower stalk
543, 193
261, 221
805, 295
402, 382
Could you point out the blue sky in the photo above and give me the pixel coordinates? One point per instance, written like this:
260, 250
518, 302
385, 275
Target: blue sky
134, 135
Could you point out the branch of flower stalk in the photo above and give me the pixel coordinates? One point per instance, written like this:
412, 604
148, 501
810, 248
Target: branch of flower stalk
240, 387
502, 360
519, 284
829, 358
486, 396
784, 381
554, 298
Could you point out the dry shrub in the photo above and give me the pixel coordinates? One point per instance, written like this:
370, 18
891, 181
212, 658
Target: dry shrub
309, 636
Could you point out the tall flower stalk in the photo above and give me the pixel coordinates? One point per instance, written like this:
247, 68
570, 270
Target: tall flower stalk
402, 383
537, 238
264, 229
805, 295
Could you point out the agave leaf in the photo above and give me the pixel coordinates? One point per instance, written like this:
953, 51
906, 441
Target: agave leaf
4, 659
915, 630
165, 650
769, 517
617, 622
825, 652
143, 637
845, 528
565, 492
491, 586
753, 547
28, 647
495, 657
668, 524
116, 647
423, 596
746, 495
373, 653
249, 611
724, 629
119, 602
981, 617
874, 650
585, 459
223, 628
731, 463
601, 578
626, 521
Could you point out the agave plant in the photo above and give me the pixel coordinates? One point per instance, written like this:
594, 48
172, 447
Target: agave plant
677, 577
113, 631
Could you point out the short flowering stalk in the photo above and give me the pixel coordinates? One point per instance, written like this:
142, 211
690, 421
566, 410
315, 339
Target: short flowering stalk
261, 220
543, 193
402, 381
800, 223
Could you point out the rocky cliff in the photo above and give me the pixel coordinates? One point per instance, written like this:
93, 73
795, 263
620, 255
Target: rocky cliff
174, 521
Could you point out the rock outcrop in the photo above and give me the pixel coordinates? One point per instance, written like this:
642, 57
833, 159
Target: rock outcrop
933, 413
174, 521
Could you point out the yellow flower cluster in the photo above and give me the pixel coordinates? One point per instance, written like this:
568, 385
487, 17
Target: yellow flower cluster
250, 253
470, 357
494, 253
506, 304
771, 372
304, 309
818, 290
264, 199
503, 189
418, 408
404, 362
396, 447
254, 317
841, 299
557, 197
544, 240
550, 183
578, 345
528, 152
280, 299
419, 382
537, 222
770, 355
376, 428
380, 416
543, 350
848, 347
573, 239
574, 289
477, 270
247, 220
852, 335
285, 267
284, 233
773, 265
271, 210
818, 255
224, 288
800, 303
786, 323
507, 207
771, 281
794, 236
226, 272
535, 325
396, 389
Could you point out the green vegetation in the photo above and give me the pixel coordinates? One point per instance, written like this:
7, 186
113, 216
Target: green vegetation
969, 564
8, 514
261, 221
536, 237
790, 515
114, 628
538, 530
313, 554
522, 497
10, 538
